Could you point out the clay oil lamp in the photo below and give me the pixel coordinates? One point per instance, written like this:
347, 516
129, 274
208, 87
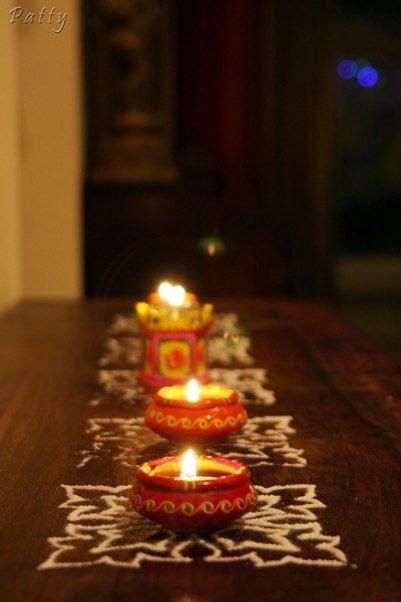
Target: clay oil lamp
193, 494
196, 413
174, 327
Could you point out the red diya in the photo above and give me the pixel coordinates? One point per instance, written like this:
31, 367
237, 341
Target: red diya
193, 494
174, 327
196, 413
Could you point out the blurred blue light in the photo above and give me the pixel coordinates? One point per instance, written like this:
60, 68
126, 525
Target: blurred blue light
367, 77
346, 69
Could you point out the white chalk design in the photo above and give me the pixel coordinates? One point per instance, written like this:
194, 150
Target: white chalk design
126, 351
229, 350
123, 351
100, 527
223, 324
264, 441
226, 346
122, 385
122, 356
124, 324
284, 528
249, 382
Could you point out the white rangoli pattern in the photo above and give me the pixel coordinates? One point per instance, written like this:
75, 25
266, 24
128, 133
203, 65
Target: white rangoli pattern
122, 351
249, 382
262, 442
122, 385
101, 529
224, 323
283, 529
226, 345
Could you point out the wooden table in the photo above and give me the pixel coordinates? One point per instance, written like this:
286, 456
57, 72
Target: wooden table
341, 389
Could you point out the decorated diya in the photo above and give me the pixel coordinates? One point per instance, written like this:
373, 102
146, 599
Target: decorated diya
174, 328
196, 413
193, 494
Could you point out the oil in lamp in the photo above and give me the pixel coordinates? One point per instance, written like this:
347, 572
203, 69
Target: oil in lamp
196, 413
174, 328
193, 494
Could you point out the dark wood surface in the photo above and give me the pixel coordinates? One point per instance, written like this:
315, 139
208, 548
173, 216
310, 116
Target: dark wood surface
342, 390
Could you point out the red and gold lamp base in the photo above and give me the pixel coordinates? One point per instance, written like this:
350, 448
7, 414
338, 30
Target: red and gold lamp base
217, 414
219, 494
172, 358
175, 341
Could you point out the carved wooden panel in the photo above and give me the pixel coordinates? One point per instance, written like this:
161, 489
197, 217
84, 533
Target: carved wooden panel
129, 51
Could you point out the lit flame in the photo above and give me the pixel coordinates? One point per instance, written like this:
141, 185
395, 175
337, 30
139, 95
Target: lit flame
173, 295
177, 297
188, 465
192, 392
164, 290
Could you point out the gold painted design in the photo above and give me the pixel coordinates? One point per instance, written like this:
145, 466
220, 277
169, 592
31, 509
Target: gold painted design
185, 507
201, 422
174, 318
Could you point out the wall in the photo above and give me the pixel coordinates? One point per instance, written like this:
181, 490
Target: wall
10, 257
51, 151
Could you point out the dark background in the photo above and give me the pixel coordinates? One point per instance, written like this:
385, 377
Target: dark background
224, 150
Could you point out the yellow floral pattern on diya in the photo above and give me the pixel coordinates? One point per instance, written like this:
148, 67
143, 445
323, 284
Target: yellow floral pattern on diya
202, 422
189, 509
